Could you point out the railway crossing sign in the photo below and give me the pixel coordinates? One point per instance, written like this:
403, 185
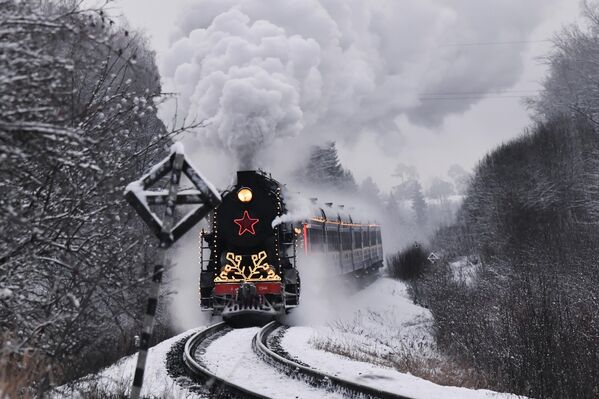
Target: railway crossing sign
433, 257
204, 195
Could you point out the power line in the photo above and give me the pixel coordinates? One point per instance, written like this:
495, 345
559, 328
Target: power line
494, 43
460, 93
467, 98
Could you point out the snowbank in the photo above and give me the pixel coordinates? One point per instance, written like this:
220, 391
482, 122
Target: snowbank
117, 379
378, 326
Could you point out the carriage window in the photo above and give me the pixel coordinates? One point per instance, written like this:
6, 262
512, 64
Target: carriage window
346, 240
357, 239
333, 240
316, 238
372, 237
378, 237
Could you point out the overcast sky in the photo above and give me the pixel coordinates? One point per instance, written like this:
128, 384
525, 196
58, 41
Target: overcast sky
451, 112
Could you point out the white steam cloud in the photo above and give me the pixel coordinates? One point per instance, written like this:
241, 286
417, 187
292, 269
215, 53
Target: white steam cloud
298, 206
261, 70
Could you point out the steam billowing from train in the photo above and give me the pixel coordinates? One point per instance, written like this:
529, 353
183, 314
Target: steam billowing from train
260, 70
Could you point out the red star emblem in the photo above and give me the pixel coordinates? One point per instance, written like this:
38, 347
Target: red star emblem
246, 223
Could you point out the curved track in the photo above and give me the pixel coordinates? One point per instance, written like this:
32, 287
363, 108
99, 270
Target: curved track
215, 385
313, 376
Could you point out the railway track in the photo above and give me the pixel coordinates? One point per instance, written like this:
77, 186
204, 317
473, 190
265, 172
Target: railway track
311, 375
215, 385
222, 388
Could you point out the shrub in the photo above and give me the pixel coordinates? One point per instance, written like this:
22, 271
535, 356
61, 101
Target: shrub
409, 263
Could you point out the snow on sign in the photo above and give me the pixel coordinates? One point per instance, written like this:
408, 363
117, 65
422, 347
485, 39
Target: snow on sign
433, 257
205, 195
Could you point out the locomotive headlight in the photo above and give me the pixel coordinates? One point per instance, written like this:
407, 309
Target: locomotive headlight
244, 194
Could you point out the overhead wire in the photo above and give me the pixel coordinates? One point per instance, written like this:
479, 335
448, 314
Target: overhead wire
497, 43
482, 95
475, 95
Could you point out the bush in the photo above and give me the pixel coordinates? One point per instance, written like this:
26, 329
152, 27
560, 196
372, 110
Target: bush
529, 321
531, 333
409, 263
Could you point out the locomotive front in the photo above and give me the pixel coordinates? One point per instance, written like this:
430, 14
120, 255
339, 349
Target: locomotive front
250, 272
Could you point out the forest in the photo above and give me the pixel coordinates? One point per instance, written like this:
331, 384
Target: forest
78, 103
524, 244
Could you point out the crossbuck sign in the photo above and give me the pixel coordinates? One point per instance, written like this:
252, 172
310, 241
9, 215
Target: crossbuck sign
167, 229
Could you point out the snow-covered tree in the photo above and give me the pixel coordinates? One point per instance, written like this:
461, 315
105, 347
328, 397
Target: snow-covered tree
405, 172
419, 204
405, 190
571, 86
460, 178
439, 189
369, 190
77, 123
325, 170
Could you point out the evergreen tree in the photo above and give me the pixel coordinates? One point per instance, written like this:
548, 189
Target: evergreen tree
324, 169
405, 172
440, 189
369, 190
419, 204
405, 190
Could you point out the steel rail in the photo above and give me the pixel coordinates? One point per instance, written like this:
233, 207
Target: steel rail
311, 375
214, 384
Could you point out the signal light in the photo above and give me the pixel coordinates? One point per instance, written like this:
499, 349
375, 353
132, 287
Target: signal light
244, 195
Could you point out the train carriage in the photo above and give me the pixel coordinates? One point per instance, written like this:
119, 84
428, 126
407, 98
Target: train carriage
249, 264
350, 246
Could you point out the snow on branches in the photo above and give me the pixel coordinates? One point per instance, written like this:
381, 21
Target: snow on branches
77, 120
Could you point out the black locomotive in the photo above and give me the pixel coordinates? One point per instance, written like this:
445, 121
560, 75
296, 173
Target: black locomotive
251, 273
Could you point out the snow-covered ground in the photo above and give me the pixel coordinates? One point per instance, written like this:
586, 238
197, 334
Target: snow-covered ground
368, 337
117, 378
231, 357
378, 331
296, 342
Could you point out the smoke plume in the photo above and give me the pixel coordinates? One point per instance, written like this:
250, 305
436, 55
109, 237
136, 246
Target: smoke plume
257, 71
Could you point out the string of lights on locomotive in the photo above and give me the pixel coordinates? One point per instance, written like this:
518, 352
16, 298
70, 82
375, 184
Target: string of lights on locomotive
251, 271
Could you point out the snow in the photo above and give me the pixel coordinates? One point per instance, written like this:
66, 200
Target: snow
231, 357
381, 318
453, 199
178, 148
296, 342
372, 324
463, 271
5, 293
135, 186
376, 323
119, 377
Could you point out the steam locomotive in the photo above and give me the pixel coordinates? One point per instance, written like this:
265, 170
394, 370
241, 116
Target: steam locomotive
251, 272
